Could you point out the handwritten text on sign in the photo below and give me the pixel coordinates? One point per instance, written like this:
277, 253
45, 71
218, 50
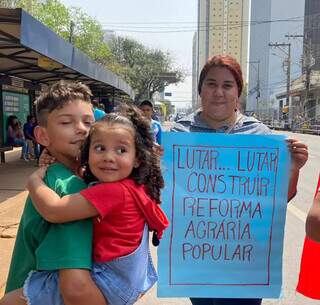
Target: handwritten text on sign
223, 203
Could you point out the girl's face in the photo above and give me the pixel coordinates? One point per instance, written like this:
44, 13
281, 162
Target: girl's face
112, 152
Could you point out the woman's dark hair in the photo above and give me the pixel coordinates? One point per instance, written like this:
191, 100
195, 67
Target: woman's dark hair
148, 172
222, 61
10, 121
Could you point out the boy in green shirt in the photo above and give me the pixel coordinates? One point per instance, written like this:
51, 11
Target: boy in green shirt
64, 115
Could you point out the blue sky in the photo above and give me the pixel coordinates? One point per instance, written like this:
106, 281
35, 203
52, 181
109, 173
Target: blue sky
177, 18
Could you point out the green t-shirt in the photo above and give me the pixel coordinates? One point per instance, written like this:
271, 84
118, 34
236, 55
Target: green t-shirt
41, 245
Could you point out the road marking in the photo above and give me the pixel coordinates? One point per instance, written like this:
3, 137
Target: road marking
297, 212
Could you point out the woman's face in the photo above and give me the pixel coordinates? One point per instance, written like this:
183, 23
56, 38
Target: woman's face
219, 95
14, 121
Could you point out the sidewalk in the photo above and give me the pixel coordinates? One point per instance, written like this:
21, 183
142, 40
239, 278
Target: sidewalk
13, 175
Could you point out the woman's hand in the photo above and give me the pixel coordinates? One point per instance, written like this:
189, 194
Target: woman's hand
45, 158
299, 153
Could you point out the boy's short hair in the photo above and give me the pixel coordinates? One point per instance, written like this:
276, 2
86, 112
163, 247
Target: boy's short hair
57, 96
146, 103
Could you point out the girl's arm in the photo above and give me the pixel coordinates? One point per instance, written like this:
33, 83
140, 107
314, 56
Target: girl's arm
313, 220
53, 208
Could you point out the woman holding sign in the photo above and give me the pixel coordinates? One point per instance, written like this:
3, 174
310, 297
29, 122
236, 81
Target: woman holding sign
220, 87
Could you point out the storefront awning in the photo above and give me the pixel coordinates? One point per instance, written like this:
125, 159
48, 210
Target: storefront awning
31, 51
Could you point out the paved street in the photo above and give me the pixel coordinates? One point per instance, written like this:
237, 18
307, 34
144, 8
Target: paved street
13, 175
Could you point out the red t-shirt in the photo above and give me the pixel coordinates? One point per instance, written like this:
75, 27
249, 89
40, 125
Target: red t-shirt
309, 281
124, 208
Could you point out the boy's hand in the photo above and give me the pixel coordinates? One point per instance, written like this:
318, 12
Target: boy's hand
45, 158
299, 153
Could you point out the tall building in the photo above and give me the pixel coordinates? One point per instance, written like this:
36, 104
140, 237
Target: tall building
258, 80
223, 29
222, 26
312, 32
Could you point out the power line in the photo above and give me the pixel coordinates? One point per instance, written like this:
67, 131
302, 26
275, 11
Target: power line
298, 18
125, 27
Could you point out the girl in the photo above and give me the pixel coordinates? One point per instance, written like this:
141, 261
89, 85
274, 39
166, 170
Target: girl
118, 157
308, 283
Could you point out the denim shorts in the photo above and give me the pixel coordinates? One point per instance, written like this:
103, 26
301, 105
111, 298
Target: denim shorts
122, 280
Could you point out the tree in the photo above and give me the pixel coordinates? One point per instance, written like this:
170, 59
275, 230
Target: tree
73, 25
51, 12
143, 68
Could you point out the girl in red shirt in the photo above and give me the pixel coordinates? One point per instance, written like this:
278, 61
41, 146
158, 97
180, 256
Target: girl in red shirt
308, 284
119, 158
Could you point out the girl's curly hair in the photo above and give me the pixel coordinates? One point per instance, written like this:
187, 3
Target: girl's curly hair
148, 172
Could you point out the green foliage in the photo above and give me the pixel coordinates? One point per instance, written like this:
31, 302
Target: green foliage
88, 37
51, 12
141, 67
144, 67
73, 25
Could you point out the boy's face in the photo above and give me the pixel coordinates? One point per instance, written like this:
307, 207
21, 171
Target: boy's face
66, 130
147, 111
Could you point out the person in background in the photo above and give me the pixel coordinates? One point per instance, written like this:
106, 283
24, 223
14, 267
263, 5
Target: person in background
102, 107
98, 113
28, 129
220, 87
146, 107
15, 136
309, 281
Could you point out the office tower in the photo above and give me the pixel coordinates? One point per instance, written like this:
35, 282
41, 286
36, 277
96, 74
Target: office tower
312, 33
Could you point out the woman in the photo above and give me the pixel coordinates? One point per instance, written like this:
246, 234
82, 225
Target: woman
220, 86
15, 136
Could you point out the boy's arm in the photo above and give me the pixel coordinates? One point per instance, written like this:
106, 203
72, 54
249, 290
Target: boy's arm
53, 208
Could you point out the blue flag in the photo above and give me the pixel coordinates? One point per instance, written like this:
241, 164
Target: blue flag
226, 199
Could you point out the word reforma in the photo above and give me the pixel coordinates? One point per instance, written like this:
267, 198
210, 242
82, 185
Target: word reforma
214, 207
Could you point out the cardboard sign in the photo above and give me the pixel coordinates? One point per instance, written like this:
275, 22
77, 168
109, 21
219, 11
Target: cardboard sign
226, 199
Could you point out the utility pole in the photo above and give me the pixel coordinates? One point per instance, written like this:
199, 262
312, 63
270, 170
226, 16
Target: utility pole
71, 32
257, 88
308, 62
288, 45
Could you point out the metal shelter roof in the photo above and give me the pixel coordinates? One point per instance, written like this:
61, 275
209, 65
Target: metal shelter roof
31, 51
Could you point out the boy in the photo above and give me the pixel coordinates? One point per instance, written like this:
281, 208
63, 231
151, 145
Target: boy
147, 108
64, 115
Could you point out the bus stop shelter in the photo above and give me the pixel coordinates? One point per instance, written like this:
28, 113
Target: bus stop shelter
32, 56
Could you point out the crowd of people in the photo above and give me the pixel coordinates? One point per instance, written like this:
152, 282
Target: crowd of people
116, 157
23, 136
